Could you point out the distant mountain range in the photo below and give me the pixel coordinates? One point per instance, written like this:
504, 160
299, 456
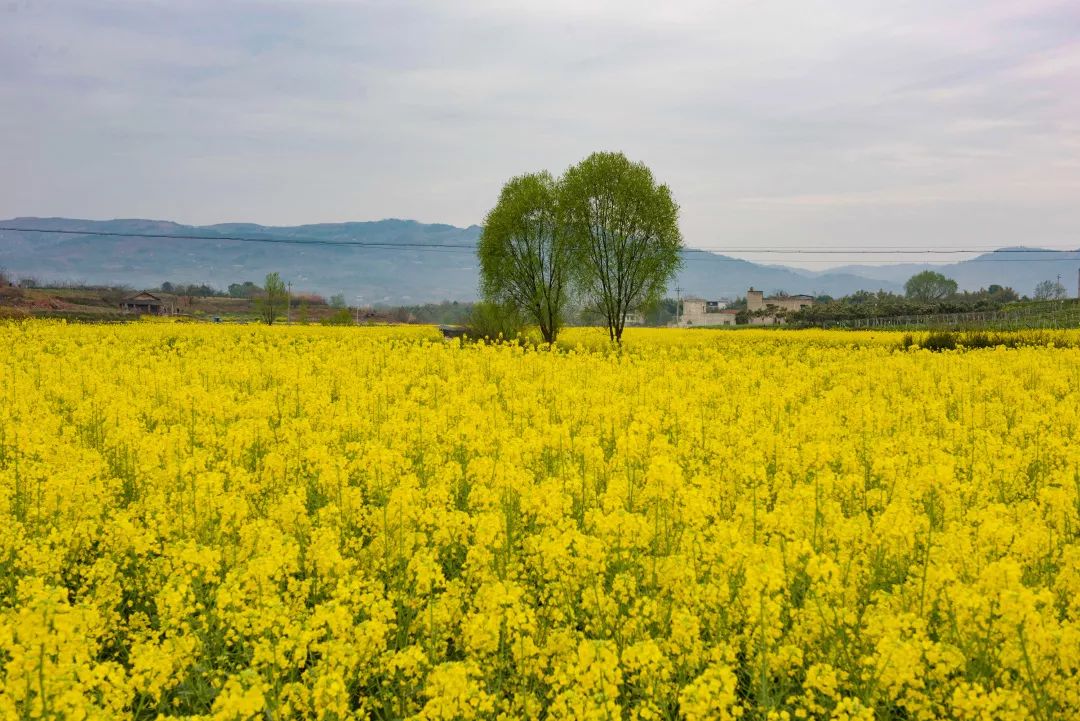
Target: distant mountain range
423, 267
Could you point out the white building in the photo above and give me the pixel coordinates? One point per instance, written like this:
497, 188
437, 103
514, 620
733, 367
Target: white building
698, 312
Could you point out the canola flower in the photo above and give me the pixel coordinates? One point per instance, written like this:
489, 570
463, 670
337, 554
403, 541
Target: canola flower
215, 522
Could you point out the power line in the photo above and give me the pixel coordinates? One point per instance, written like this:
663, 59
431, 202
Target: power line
879, 251
240, 238
465, 246
909, 261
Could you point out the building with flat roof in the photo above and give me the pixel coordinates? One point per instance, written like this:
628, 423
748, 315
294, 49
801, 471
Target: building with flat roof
772, 309
698, 312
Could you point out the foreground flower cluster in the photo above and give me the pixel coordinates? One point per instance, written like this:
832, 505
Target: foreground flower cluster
240, 523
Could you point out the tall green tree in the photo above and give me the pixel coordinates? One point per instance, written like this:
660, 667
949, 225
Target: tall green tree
929, 286
272, 301
525, 255
625, 231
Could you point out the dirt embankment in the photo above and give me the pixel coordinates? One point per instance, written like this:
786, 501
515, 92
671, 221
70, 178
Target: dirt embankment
104, 304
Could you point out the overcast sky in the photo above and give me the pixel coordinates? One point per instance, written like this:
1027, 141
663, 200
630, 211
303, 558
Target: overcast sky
846, 123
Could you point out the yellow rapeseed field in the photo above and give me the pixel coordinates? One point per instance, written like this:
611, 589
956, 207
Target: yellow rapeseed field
238, 522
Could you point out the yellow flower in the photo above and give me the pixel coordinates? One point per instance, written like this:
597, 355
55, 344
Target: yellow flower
213, 521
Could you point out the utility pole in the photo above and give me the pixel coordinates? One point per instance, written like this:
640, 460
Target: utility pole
288, 304
358, 299
678, 305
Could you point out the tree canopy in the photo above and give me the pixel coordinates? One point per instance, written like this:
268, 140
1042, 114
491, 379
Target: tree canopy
1050, 290
605, 231
625, 234
247, 289
525, 253
273, 298
929, 286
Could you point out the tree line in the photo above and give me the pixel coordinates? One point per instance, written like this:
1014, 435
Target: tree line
930, 286
603, 237
925, 293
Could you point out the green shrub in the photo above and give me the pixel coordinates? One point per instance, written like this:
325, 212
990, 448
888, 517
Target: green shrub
338, 317
940, 340
493, 321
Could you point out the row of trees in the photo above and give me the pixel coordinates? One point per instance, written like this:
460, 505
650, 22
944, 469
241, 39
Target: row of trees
926, 293
605, 234
271, 301
194, 290
933, 286
1050, 290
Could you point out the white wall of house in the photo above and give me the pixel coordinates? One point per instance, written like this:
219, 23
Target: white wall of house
696, 313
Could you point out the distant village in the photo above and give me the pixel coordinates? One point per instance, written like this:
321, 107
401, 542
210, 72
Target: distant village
691, 312
929, 299
759, 310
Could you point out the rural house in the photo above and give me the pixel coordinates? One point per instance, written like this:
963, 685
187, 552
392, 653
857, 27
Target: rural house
144, 304
770, 310
697, 312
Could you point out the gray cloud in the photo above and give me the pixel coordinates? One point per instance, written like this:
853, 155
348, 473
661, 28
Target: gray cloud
778, 124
